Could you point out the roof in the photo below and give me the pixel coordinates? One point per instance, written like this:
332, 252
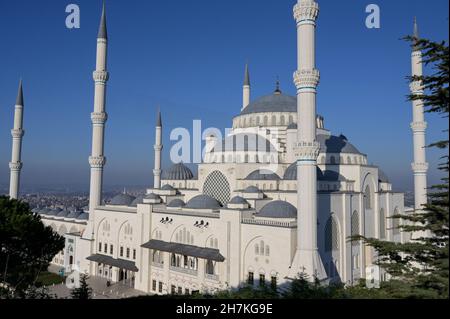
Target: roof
179, 172
272, 103
259, 175
167, 187
102, 31
336, 144
19, 100
203, 202
152, 196
119, 263
278, 209
122, 200
247, 76
74, 214
138, 200
158, 120
182, 249
83, 216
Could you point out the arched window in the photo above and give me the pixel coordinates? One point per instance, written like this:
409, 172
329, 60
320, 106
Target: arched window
382, 224
257, 121
291, 119
349, 160
367, 198
282, 120
267, 250
274, 120
266, 120
331, 235
256, 249
355, 226
262, 248
396, 223
210, 267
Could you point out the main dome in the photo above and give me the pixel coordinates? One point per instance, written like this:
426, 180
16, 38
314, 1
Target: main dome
178, 172
272, 103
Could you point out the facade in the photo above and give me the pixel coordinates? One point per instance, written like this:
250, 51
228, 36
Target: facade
280, 195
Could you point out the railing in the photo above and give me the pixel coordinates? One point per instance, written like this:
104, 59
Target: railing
187, 271
212, 277
272, 223
187, 213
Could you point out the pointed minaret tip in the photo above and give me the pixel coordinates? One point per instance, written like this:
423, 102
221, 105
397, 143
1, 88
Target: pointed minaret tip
19, 100
102, 31
158, 119
416, 28
247, 76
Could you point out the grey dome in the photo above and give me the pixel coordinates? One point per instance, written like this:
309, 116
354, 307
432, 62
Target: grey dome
291, 173
238, 200
252, 189
54, 212
138, 200
272, 103
152, 196
262, 175
63, 213
176, 203
83, 216
167, 187
331, 176
382, 177
336, 144
74, 214
122, 200
203, 202
179, 172
278, 209
44, 211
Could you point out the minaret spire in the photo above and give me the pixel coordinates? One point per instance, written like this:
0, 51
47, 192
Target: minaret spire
158, 148
307, 258
418, 126
97, 160
15, 166
246, 88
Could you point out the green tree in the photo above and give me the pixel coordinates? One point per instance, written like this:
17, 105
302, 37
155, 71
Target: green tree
419, 268
27, 247
84, 291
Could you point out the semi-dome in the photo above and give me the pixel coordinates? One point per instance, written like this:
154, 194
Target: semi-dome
238, 200
122, 200
278, 209
291, 173
336, 144
272, 103
203, 202
262, 175
138, 200
382, 177
176, 203
252, 190
179, 172
167, 187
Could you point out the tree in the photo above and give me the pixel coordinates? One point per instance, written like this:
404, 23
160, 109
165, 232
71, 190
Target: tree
84, 291
419, 268
27, 247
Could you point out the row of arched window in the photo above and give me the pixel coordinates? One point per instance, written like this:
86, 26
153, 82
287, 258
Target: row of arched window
261, 249
274, 120
232, 157
342, 160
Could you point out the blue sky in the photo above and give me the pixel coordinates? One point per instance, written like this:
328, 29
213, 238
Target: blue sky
188, 57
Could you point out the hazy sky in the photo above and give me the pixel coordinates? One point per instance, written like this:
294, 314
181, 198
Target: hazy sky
188, 57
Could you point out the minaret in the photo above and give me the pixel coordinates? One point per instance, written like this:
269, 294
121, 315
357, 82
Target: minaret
17, 133
307, 259
97, 159
158, 148
418, 126
246, 89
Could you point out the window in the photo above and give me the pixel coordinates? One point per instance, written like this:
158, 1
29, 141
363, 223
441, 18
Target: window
121, 251
134, 253
173, 289
396, 223
273, 283
250, 279
262, 280
355, 226
185, 258
331, 235
154, 285
332, 160
186, 291
128, 252
382, 224
210, 267
367, 198
111, 249
100, 247
105, 249
267, 251
160, 287
256, 249
180, 290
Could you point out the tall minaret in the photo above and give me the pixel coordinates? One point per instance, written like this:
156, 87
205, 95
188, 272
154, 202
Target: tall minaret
307, 259
17, 133
418, 126
246, 88
158, 148
97, 159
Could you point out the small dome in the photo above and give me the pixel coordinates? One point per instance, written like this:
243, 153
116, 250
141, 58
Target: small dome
179, 172
278, 209
382, 177
152, 196
262, 175
44, 211
252, 190
74, 215
203, 202
176, 203
238, 200
167, 187
122, 200
54, 212
272, 103
63, 213
291, 173
138, 200
83, 216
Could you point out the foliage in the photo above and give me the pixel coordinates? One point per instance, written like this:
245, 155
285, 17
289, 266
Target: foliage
84, 291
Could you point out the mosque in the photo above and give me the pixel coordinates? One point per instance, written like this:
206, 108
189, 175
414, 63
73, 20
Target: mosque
279, 196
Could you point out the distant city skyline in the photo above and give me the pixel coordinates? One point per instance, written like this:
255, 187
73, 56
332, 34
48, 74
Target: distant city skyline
189, 59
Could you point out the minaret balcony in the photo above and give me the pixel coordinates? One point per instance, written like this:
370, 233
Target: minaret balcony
306, 11
416, 87
15, 166
419, 126
99, 118
97, 161
306, 79
307, 151
18, 133
101, 76
420, 168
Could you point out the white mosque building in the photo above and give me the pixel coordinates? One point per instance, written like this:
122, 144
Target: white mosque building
279, 196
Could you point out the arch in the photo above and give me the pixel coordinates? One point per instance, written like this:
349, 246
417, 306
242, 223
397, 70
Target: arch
282, 120
332, 236
62, 230
368, 198
274, 121
266, 120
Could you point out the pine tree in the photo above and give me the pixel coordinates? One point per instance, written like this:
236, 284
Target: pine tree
419, 268
84, 291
